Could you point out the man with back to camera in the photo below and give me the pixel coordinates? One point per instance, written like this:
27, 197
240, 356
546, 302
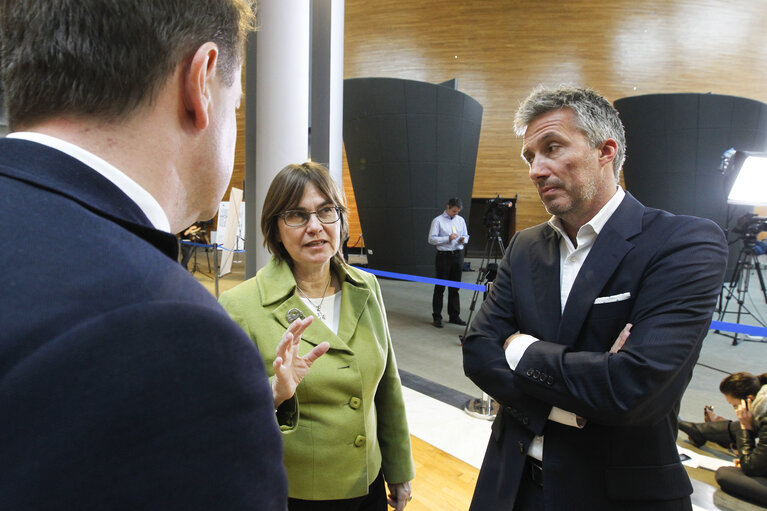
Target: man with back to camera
123, 384
590, 333
448, 233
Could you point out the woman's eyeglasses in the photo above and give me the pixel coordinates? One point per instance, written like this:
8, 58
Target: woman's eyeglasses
299, 217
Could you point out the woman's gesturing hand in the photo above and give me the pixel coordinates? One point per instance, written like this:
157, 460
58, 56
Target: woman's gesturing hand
289, 367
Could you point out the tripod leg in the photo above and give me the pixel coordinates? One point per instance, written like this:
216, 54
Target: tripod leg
194, 256
743, 281
734, 282
758, 268
481, 274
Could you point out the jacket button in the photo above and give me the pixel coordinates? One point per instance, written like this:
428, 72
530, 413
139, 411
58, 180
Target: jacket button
550, 380
359, 441
536, 374
521, 447
530, 372
355, 402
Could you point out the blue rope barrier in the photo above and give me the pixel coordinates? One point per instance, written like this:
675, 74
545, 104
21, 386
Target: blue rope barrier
755, 331
425, 280
736, 328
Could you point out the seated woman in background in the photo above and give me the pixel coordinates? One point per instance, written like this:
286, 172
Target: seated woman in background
748, 396
344, 426
736, 387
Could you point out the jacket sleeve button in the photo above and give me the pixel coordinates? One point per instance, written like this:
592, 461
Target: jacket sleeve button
359, 441
355, 402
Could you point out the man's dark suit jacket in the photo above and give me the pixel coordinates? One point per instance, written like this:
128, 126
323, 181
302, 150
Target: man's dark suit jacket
123, 384
625, 457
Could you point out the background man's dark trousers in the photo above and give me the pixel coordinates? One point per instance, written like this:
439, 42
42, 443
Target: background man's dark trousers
449, 265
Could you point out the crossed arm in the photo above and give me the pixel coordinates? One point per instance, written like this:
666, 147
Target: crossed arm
633, 379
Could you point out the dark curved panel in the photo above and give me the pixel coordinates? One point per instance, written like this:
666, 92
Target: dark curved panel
675, 145
410, 147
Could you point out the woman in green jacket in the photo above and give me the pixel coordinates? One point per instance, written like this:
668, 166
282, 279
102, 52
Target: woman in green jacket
344, 426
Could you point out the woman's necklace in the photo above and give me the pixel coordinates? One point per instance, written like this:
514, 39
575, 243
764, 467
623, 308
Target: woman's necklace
317, 307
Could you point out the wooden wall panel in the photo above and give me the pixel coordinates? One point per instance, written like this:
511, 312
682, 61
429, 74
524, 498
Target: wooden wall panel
498, 50
238, 175
355, 231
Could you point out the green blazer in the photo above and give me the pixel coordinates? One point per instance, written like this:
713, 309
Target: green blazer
347, 419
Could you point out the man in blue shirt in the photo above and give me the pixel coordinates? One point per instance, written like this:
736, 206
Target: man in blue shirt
448, 233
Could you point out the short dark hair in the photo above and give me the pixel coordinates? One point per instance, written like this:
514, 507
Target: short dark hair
286, 191
596, 117
106, 58
741, 385
453, 202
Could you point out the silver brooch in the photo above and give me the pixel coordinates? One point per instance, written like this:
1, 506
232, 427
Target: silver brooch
294, 314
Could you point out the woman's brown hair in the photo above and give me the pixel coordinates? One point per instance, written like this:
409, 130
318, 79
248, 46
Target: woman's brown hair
286, 191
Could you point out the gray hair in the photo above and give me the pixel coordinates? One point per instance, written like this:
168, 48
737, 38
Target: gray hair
596, 117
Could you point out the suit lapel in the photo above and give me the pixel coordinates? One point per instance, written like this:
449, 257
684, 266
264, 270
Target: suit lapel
279, 285
609, 249
353, 302
545, 270
61, 174
317, 332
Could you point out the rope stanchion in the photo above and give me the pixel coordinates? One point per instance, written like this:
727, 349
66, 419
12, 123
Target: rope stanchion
214, 246
209, 245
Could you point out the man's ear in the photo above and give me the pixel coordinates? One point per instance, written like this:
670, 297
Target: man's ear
198, 82
608, 150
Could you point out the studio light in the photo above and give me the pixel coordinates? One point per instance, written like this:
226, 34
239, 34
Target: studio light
747, 172
749, 186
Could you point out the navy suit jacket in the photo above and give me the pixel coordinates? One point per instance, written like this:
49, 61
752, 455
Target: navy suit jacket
123, 383
672, 267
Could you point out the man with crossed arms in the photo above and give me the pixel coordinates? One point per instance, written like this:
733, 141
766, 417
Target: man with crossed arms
588, 422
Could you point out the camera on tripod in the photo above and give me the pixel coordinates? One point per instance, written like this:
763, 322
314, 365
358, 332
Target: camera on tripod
495, 211
749, 225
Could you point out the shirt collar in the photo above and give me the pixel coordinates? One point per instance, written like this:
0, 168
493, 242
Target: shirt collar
277, 282
143, 199
598, 221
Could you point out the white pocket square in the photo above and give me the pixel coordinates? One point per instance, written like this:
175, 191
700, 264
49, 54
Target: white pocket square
613, 298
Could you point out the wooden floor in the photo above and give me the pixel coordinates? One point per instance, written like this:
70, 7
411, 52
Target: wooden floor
442, 482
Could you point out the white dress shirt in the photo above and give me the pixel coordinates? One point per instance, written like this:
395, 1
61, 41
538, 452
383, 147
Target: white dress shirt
143, 199
441, 229
571, 259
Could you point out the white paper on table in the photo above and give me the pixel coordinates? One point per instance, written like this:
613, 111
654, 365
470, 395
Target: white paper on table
697, 460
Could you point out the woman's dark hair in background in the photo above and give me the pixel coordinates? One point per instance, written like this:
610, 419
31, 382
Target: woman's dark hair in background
741, 385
